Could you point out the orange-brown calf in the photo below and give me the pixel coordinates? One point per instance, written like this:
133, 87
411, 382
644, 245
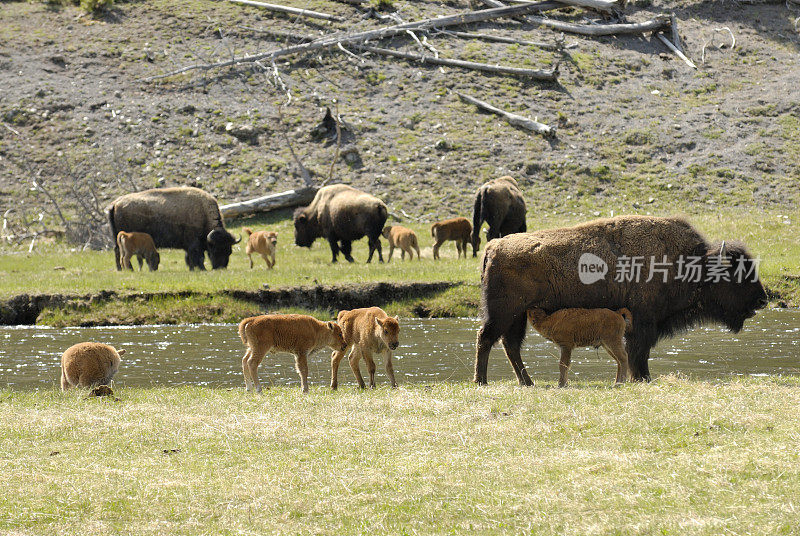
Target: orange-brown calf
366, 331
403, 238
262, 242
296, 334
572, 328
89, 363
458, 229
139, 244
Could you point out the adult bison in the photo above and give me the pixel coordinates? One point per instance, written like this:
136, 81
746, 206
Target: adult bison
500, 204
182, 218
341, 214
682, 281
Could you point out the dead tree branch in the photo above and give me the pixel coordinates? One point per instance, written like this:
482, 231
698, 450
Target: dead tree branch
509, 40
513, 119
661, 22
537, 74
677, 52
291, 10
362, 37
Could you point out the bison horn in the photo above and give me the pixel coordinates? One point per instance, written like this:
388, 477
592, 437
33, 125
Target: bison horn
240, 239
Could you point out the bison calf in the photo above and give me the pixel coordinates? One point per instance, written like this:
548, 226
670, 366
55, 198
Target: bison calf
139, 244
366, 331
262, 242
572, 328
458, 229
403, 238
296, 334
89, 363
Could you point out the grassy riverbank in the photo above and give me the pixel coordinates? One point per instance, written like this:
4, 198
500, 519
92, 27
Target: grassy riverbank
196, 296
672, 457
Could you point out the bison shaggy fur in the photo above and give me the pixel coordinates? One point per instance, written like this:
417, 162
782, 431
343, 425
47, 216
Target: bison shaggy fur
541, 270
181, 218
341, 214
500, 204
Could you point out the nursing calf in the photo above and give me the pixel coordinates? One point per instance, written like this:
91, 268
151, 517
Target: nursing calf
88, 364
366, 331
296, 334
403, 238
139, 244
574, 328
262, 242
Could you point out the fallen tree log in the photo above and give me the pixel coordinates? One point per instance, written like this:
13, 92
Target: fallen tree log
536, 74
659, 23
290, 10
509, 40
604, 6
513, 119
362, 37
292, 198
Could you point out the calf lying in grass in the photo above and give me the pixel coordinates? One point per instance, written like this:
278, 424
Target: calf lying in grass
403, 238
139, 244
296, 334
262, 242
571, 328
88, 364
366, 331
458, 229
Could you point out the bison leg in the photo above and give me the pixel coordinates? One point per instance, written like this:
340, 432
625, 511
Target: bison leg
487, 336
419, 256
617, 351
64, 383
336, 358
347, 250
638, 347
389, 256
512, 343
116, 256
250, 256
390, 369
256, 355
248, 381
195, 257
355, 355
375, 244
370, 368
141, 261
436, 247
334, 249
301, 364
563, 365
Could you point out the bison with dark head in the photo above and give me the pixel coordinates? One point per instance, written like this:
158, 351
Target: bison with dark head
341, 214
181, 218
500, 204
682, 281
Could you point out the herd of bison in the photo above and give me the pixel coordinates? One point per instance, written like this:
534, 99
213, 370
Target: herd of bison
535, 277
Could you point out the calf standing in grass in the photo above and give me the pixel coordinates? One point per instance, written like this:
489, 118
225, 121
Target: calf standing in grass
296, 334
139, 244
403, 238
458, 229
366, 331
88, 364
262, 242
571, 328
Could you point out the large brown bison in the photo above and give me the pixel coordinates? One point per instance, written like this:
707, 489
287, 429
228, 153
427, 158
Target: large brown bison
181, 218
683, 281
499, 203
341, 214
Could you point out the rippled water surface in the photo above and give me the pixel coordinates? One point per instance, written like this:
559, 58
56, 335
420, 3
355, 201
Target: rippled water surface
431, 350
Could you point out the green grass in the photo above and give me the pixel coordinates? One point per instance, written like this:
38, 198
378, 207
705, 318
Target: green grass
671, 457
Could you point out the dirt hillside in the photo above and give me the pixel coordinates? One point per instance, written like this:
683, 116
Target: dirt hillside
638, 130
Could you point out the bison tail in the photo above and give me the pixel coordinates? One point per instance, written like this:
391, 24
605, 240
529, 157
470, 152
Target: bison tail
626, 314
477, 215
242, 328
248, 230
433, 229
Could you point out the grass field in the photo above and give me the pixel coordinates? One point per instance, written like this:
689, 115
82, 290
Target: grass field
53, 268
672, 457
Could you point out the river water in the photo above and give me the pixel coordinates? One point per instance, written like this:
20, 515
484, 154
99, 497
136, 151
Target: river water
431, 350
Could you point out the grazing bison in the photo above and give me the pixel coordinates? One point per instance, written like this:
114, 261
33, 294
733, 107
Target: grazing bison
403, 238
87, 364
341, 214
139, 244
458, 229
500, 204
182, 218
683, 281
262, 242
575, 328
